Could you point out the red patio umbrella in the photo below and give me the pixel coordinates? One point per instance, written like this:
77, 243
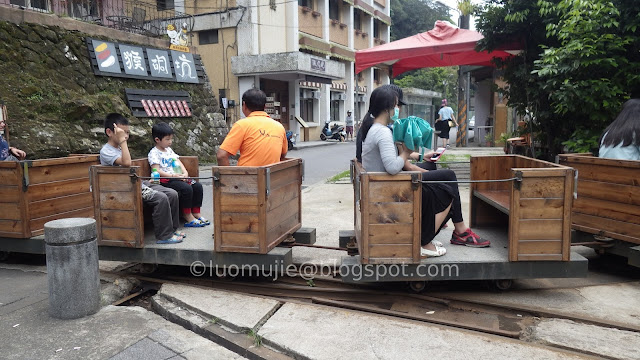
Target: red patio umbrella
444, 45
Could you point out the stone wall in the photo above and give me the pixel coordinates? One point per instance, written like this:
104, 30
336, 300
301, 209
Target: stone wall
56, 105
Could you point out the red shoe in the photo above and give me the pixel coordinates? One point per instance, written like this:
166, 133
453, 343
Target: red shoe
469, 238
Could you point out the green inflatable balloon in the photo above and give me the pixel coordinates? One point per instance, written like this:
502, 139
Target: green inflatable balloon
414, 132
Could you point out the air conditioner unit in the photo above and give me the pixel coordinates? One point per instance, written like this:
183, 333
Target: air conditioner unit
307, 94
342, 96
359, 98
315, 95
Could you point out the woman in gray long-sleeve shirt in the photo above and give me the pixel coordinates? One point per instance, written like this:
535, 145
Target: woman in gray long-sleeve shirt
379, 155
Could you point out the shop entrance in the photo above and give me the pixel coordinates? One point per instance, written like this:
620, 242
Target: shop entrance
277, 100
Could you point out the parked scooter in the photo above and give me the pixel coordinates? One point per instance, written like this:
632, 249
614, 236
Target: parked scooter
336, 133
289, 140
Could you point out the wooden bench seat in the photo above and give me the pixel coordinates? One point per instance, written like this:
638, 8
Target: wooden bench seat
536, 209
608, 202
33, 192
117, 200
256, 208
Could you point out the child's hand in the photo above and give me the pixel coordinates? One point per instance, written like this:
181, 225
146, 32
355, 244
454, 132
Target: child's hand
21, 155
120, 134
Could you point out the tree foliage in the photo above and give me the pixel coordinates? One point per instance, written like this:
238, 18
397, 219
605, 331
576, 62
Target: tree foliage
411, 17
580, 62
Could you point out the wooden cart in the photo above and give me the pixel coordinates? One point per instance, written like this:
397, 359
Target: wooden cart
33, 192
117, 196
256, 208
536, 207
608, 202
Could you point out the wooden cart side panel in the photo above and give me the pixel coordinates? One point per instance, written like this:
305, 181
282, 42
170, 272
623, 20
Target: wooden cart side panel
363, 242
283, 204
391, 216
13, 204
608, 200
191, 164
262, 214
236, 211
541, 233
566, 222
117, 197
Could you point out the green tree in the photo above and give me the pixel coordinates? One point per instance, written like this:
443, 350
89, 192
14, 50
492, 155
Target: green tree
441, 79
579, 62
411, 17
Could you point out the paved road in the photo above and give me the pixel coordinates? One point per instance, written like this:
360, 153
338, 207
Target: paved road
323, 162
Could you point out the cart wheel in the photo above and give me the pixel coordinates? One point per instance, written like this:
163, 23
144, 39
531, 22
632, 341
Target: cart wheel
4, 255
502, 284
417, 286
148, 268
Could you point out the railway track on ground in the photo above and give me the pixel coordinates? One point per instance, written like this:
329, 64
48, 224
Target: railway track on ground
508, 321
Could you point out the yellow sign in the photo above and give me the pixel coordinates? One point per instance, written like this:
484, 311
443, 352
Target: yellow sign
179, 48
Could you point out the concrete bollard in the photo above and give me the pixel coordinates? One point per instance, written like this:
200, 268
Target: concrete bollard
72, 267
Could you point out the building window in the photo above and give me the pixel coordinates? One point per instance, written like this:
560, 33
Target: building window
334, 9
31, 4
376, 76
306, 3
335, 110
376, 29
164, 5
306, 107
357, 19
208, 37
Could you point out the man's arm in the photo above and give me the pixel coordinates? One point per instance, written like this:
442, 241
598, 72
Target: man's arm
223, 157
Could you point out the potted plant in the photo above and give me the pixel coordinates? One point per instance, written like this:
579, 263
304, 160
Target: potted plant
503, 140
488, 139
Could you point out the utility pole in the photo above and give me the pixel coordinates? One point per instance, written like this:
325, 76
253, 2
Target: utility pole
463, 93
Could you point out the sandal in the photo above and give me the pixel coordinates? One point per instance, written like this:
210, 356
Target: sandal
437, 243
194, 223
425, 253
172, 240
204, 221
183, 235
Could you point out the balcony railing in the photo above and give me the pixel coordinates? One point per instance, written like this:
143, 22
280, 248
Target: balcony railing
149, 18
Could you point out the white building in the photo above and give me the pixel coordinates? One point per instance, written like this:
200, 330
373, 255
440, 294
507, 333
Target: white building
301, 53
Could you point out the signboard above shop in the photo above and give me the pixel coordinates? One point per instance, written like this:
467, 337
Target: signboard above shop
144, 63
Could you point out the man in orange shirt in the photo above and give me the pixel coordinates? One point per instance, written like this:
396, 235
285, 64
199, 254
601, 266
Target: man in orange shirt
260, 139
